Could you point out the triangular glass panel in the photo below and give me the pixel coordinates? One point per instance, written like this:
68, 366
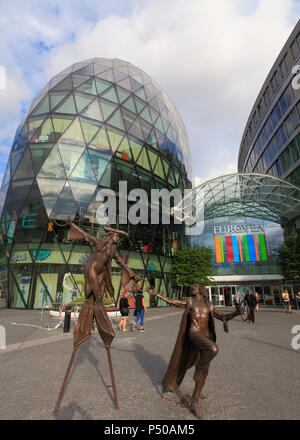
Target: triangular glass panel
171, 178
107, 108
61, 123
34, 123
100, 141
146, 115
83, 193
151, 140
67, 107
45, 132
129, 104
73, 135
65, 205
83, 170
166, 166
158, 170
66, 84
101, 85
154, 114
115, 138
87, 70
99, 68
159, 126
136, 130
153, 158
82, 100
139, 104
146, 128
136, 147
88, 87
56, 98
165, 124
125, 83
24, 170
106, 177
116, 120
34, 217
141, 93
108, 75
43, 107
93, 111
21, 189
122, 94
124, 150
78, 80
119, 75
53, 166
6, 177
89, 128
70, 155
99, 162
128, 118
50, 190
135, 85
143, 160
39, 152
111, 95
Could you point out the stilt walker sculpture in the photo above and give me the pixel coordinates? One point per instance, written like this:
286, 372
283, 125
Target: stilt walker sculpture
97, 276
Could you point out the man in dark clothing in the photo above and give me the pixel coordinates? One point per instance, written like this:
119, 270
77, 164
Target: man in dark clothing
251, 303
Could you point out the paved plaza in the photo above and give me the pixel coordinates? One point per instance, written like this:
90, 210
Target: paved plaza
254, 376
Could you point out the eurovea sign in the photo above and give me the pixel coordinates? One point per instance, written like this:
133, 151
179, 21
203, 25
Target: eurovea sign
238, 229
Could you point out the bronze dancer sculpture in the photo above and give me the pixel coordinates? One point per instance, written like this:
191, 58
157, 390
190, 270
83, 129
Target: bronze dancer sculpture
195, 344
97, 276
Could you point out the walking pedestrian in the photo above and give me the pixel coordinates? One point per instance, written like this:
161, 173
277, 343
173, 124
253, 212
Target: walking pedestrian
298, 299
286, 301
124, 310
251, 304
141, 309
257, 300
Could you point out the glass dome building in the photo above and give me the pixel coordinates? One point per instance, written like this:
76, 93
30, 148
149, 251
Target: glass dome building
98, 122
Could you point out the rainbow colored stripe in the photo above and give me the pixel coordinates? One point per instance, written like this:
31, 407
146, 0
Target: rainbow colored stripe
254, 249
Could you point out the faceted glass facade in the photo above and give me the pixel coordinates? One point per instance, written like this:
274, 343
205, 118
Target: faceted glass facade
98, 122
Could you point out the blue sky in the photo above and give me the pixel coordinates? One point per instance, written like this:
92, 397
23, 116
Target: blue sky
210, 56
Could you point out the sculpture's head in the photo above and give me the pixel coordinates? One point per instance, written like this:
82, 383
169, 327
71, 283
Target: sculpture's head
199, 290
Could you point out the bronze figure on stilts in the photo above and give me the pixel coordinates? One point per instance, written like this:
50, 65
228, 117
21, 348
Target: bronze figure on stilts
97, 276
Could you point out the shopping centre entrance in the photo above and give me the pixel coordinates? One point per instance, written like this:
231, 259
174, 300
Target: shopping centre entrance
269, 294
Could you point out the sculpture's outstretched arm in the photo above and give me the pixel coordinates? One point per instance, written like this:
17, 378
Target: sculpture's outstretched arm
78, 234
227, 316
176, 303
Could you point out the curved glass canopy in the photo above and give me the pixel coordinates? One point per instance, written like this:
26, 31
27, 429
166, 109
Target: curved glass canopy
241, 195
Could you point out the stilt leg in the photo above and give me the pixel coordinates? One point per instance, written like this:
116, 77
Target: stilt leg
112, 378
65, 381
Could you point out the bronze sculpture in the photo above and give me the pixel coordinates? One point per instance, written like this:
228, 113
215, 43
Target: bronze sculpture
97, 276
195, 344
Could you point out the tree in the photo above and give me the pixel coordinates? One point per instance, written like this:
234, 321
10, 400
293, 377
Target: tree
289, 260
193, 265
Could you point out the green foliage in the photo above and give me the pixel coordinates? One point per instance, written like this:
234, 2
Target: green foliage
193, 265
289, 260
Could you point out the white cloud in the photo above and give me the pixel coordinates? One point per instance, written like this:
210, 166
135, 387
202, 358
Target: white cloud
210, 56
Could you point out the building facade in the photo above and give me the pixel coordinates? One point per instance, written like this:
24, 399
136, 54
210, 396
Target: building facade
271, 139
95, 124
